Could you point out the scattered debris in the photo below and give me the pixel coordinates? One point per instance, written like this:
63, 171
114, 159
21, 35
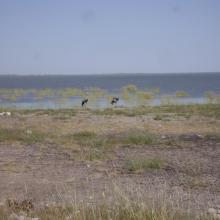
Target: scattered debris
16, 206
5, 113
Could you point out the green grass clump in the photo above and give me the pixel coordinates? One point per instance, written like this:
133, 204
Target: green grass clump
144, 164
213, 136
93, 154
55, 113
180, 94
12, 94
138, 138
158, 117
84, 135
86, 139
110, 111
190, 182
208, 110
108, 142
21, 135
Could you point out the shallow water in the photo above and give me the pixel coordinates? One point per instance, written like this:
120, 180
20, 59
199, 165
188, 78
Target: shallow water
76, 102
195, 85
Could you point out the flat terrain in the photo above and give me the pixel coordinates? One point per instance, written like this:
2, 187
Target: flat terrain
146, 154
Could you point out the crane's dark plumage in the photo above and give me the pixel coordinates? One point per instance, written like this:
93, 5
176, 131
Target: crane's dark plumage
84, 101
114, 100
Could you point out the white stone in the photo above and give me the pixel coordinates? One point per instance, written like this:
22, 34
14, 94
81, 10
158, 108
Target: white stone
29, 131
5, 113
212, 211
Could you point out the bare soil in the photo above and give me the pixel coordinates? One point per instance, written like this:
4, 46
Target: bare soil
53, 171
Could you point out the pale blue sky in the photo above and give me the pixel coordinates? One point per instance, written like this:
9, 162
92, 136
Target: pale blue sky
109, 36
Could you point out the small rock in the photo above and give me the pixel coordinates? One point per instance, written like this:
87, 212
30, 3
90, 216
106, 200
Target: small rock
8, 113
13, 216
29, 131
199, 136
212, 211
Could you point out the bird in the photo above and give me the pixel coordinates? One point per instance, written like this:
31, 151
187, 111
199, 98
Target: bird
114, 100
84, 101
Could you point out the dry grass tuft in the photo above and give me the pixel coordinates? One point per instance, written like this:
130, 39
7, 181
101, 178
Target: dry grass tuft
140, 165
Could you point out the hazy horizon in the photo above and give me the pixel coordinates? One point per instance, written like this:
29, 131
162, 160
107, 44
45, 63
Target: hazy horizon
91, 74
48, 37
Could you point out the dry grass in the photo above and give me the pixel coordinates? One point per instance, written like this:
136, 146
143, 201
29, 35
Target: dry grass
25, 136
85, 150
140, 165
121, 210
209, 110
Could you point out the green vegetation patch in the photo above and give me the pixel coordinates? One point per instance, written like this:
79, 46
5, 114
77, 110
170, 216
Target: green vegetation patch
139, 138
93, 154
208, 110
213, 136
93, 140
190, 182
140, 165
21, 135
182, 94
83, 135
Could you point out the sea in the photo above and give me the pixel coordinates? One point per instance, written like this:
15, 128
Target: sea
194, 84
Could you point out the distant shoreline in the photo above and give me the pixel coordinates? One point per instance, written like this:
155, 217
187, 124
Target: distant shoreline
108, 74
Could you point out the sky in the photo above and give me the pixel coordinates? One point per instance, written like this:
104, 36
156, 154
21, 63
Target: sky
109, 36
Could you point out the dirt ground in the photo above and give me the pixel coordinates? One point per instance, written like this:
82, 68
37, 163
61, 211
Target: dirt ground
51, 170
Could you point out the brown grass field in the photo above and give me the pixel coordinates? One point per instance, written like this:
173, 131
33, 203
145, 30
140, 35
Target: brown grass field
141, 163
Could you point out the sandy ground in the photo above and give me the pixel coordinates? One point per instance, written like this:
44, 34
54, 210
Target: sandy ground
50, 171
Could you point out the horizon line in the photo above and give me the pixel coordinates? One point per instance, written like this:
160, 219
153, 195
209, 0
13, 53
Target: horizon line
95, 74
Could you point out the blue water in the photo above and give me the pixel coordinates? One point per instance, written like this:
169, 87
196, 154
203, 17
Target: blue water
195, 84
